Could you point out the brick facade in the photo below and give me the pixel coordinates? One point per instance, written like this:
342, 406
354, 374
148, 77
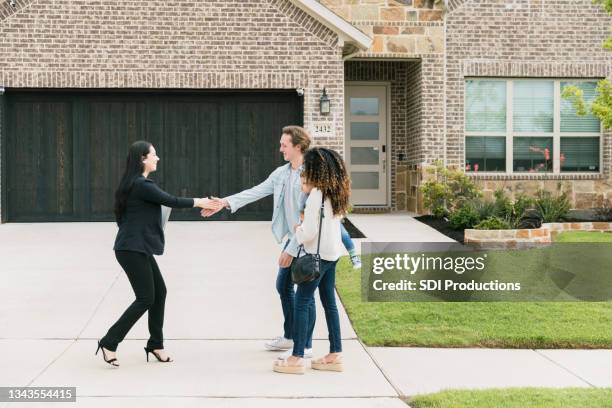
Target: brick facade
521, 39
424, 51
152, 44
527, 39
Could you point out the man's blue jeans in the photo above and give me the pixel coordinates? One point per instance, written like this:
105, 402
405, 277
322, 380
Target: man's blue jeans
304, 302
286, 290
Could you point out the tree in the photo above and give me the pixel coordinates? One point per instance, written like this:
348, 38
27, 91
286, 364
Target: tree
601, 107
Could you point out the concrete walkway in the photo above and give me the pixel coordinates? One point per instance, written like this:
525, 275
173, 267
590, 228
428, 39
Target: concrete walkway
63, 289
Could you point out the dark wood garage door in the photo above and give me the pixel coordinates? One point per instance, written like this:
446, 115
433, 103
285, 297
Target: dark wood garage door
66, 151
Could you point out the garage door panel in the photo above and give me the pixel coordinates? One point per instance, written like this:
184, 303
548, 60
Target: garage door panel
254, 146
112, 125
42, 156
66, 151
189, 164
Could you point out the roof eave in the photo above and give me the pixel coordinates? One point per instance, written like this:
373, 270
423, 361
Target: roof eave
346, 31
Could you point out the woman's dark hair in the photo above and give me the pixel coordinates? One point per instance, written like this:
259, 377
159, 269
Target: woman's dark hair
325, 170
134, 167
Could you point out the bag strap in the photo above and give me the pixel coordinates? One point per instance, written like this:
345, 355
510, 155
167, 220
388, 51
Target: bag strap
321, 216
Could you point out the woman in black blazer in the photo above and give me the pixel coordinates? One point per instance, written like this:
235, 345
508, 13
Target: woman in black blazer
138, 202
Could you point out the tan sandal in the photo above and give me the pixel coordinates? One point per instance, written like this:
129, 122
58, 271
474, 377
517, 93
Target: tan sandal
282, 366
321, 364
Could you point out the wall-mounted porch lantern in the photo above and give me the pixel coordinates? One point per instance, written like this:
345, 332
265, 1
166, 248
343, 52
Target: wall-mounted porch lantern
324, 103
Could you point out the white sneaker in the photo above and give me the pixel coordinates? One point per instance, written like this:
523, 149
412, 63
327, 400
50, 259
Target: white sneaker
356, 261
279, 344
286, 354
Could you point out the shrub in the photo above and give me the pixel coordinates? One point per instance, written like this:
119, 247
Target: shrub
447, 190
552, 207
464, 217
435, 198
484, 208
522, 203
493, 223
503, 205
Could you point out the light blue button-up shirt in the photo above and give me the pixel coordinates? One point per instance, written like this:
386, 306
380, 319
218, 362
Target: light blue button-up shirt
282, 223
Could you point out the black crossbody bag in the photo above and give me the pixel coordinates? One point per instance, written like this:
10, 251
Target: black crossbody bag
308, 268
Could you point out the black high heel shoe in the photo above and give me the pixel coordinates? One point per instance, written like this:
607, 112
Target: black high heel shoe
112, 361
148, 350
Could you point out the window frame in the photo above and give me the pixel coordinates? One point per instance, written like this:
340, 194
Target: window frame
509, 134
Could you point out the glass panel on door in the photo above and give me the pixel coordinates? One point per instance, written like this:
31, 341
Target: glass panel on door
365, 131
364, 106
365, 155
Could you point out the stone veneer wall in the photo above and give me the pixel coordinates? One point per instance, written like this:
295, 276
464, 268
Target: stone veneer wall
582, 193
556, 228
530, 39
398, 27
516, 238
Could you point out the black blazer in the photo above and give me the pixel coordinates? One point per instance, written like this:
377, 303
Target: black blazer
140, 228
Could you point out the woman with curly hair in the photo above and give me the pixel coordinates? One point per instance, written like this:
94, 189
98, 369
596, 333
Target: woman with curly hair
326, 181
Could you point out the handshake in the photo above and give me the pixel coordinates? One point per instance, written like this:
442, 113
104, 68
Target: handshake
210, 206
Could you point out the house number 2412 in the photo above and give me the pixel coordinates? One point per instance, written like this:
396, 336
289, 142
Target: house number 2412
323, 129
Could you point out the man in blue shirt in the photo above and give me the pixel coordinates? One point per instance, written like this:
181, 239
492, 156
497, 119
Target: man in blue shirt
285, 184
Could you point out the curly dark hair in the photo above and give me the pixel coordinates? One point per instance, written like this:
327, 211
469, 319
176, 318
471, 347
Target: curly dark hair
325, 170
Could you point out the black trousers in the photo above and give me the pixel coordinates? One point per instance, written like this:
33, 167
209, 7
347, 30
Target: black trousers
150, 290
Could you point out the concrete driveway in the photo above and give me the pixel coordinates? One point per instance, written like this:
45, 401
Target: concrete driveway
62, 289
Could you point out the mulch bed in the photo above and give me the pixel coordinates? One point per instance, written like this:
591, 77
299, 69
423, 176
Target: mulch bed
442, 225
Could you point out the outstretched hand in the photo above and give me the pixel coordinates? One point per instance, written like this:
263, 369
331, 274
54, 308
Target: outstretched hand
214, 206
206, 203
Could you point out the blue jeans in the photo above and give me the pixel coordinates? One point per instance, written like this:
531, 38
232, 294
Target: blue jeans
304, 301
346, 238
286, 290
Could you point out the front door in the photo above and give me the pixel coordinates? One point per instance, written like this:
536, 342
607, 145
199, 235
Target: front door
366, 142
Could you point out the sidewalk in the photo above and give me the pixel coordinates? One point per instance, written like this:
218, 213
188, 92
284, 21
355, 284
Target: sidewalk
413, 370
63, 288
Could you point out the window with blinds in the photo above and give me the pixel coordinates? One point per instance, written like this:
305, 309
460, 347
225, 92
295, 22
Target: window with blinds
485, 114
579, 154
570, 121
485, 153
532, 154
524, 126
533, 106
485, 107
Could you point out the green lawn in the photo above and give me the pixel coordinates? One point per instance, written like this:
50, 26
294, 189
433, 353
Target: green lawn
517, 398
474, 324
584, 236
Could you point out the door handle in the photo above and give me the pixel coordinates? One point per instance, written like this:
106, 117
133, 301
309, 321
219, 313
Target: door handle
384, 150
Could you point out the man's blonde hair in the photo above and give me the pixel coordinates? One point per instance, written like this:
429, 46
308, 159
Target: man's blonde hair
299, 136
